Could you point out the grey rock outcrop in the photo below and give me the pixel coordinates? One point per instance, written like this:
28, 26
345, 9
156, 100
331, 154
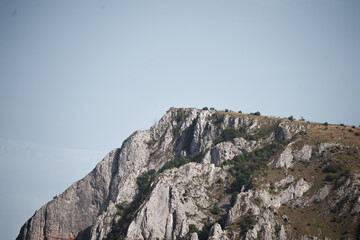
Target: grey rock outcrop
325, 146
284, 181
285, 131
285, 159
321, 194
74, 211
172, 206
227, 150
266, 221
194, 236
304, 154
216, 233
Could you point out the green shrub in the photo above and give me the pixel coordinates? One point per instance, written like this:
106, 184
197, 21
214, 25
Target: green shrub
205, 108
257, 113
180, 115
228, 135
177, 162
246, 223
331, 177
244, 165
291, 118
332, 168
144, 180
174, 163
193, 229
121, 208
204, 233
120, 212
212, 108
216, 210
226, 110
326, 124
176, 131
239, 111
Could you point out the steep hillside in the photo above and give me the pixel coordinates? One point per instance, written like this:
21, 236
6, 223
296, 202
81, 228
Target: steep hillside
207, 174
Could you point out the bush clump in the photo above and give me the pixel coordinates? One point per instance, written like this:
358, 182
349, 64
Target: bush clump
177, 162
246, 224
229, 134
121, 208
330, 177
246, 164
216, 210
144, 181
291, 118
332, 168
180, 115
257, 113
193, 228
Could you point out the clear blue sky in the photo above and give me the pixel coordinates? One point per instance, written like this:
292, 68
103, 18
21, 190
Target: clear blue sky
86, 74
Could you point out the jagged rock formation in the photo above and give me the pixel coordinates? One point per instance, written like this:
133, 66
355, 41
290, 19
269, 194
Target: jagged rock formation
206, 174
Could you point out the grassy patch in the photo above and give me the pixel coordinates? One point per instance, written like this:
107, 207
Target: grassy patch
316, 224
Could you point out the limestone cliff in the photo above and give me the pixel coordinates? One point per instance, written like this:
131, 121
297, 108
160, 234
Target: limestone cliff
207, 174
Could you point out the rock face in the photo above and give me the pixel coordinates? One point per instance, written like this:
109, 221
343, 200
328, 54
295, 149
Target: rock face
206, 174
168, 210
228, 150
304, 154
285, 159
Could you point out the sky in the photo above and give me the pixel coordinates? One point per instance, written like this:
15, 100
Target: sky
78, 77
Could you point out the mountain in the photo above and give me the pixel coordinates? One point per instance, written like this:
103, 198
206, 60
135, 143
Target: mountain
207, 174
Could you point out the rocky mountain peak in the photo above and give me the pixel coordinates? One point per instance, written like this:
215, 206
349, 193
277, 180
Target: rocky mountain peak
208, 174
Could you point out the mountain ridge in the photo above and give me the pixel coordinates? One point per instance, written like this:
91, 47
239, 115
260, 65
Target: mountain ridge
243, 161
